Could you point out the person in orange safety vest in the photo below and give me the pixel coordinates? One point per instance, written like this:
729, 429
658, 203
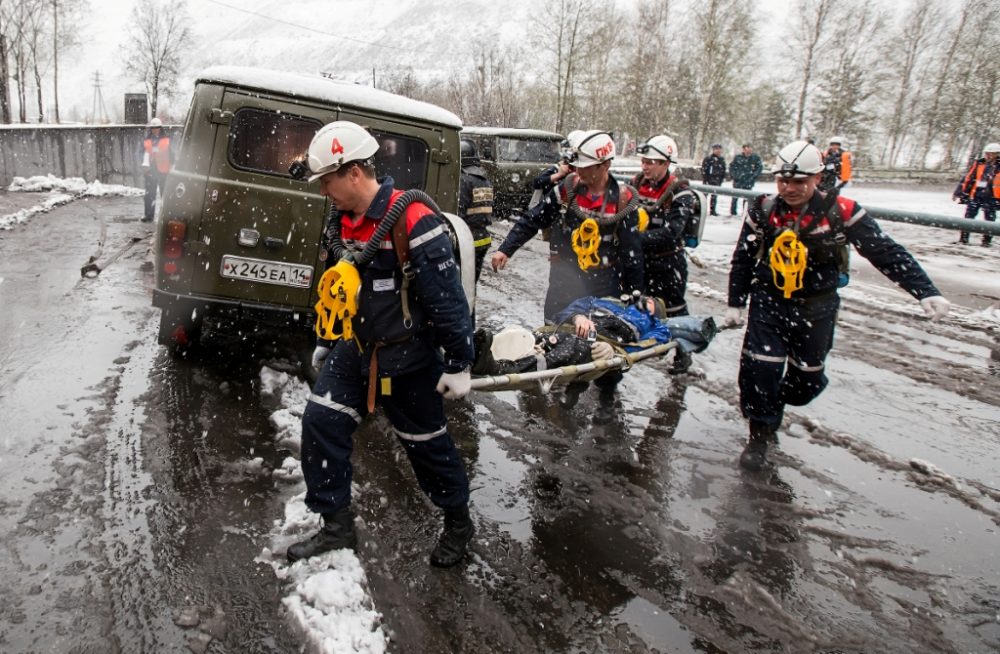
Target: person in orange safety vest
157, 157
980, 189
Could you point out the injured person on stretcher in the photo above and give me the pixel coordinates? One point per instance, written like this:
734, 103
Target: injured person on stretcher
589, 329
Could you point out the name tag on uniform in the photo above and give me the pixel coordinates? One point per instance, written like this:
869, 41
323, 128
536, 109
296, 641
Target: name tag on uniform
380, 285
482, 194
981, 183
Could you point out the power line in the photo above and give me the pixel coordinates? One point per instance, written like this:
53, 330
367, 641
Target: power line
325, 33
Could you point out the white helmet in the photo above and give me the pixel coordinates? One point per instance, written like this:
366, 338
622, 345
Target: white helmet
574, 137
338, 143
991, 147
658, 147
798, 159
155, 122
595, 147
839, 140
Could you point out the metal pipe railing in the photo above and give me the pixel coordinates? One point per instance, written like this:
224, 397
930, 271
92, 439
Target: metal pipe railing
880, 213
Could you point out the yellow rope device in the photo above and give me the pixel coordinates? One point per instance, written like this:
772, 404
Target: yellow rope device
788, 259
586, 240
643, 219
338, 301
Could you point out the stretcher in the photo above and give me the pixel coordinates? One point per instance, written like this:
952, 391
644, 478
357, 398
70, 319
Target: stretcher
544, 380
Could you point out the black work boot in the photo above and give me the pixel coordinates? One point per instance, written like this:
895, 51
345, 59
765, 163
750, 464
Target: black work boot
754, 456
454, 539
682, 362
337, 533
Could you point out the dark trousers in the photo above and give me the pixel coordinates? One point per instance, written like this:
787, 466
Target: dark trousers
482, 240
666, 278
989, 208
415, 409
734, 206
154, 181
780, 332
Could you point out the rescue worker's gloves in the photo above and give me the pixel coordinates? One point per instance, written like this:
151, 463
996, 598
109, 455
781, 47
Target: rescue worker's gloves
960, 198
319, 357
935, 306
733, 317
455, 385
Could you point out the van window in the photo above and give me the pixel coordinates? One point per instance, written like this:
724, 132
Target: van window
525, 150
405, 159
268, 141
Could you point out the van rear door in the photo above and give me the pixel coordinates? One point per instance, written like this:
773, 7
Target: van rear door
260, 229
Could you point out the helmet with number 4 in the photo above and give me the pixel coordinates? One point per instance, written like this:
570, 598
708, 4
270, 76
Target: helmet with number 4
658, 147
595, 147
338, 143
798, 159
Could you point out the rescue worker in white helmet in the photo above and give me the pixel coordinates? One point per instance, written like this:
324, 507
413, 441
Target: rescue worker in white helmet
594, 244
837, 169
669, 204
980, 189
157, 159
412, 344
793, 289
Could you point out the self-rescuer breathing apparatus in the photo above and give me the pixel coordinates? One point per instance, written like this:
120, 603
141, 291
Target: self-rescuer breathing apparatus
586, 240
338, 301
788, 259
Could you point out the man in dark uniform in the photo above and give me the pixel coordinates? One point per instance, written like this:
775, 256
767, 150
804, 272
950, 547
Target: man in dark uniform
745, 168
475, 202
790, 327
590, 194
402, 325
713, 172
670, 204
594, 243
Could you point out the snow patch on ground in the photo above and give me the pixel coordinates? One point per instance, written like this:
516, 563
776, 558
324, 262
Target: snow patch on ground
328, 598
61, 191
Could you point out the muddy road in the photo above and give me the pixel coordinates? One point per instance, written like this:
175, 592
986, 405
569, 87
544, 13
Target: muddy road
140, 496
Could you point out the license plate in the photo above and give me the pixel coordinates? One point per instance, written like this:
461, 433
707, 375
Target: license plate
267, 272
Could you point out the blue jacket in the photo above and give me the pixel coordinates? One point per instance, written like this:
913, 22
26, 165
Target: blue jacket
647, 330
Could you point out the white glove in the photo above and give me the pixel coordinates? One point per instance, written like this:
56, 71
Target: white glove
319, 357
455, 385
935, 306
733, 317
601, 350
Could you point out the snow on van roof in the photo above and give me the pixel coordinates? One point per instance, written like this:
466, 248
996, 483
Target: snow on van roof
316, 87
513, 132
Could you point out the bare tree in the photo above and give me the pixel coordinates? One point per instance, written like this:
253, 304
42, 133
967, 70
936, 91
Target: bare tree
721, 36
35, 29
945, 69
158, 34
4, 70
810, 35
905, 54
854, 73
488, 92
646, 70
565, 34
64, 38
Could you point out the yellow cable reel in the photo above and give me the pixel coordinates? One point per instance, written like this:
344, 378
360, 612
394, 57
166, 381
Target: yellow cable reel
338, 301
788, 259
643, 219
586, 239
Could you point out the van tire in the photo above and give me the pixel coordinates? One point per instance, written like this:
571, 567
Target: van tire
170, 320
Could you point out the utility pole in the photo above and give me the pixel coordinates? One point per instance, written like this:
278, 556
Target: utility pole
98, 101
